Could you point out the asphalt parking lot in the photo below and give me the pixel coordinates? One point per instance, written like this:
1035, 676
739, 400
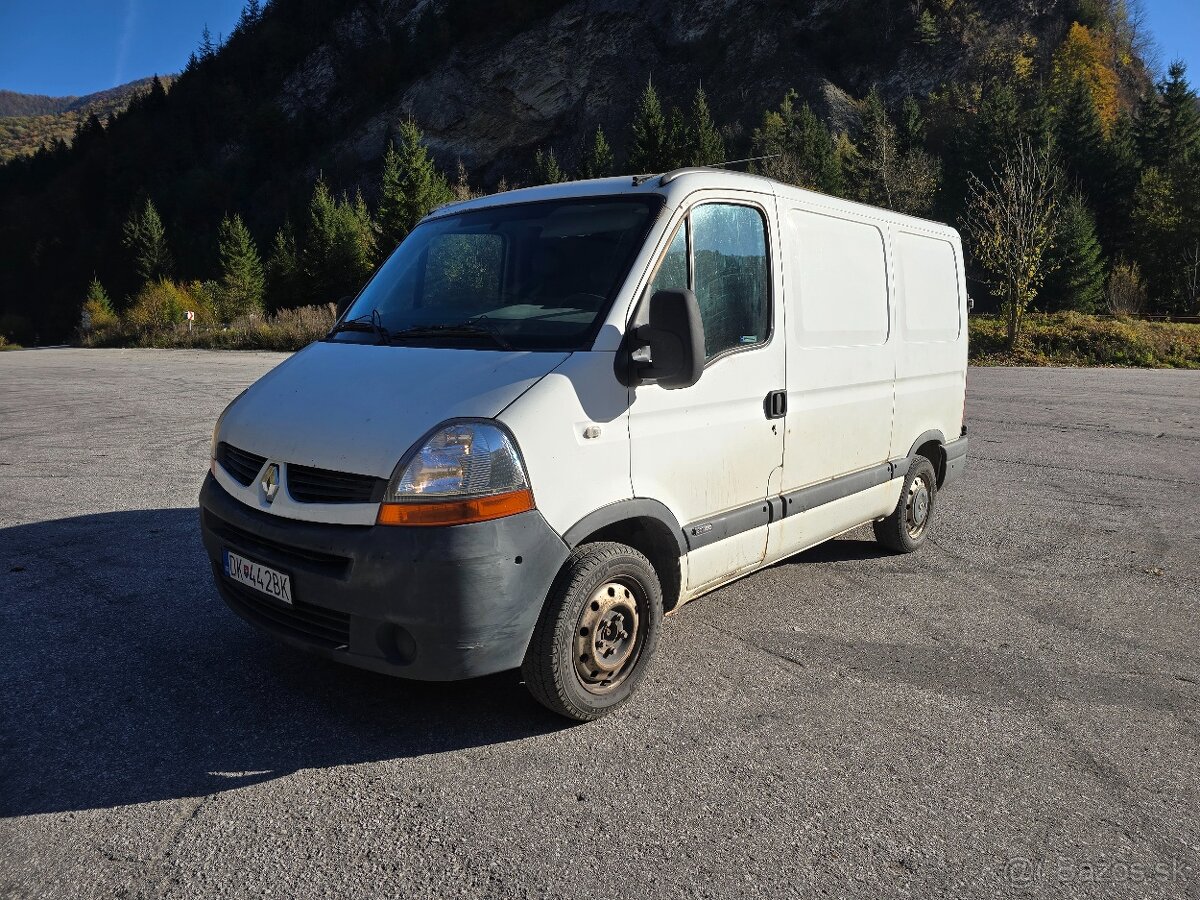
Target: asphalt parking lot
1011, 711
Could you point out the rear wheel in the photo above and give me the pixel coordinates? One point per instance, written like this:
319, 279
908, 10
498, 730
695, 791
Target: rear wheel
597, 632
905, 529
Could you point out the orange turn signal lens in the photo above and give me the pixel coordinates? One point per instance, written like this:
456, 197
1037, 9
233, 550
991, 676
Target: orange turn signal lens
456, 512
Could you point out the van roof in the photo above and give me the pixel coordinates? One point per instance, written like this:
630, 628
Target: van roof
676, 185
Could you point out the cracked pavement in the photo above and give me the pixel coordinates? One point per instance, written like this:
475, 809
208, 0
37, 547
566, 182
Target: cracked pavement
1011, 711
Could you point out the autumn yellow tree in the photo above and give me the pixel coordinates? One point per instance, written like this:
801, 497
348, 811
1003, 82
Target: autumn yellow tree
1087, 56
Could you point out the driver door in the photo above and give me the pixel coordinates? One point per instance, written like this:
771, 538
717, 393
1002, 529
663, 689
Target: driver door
709, 451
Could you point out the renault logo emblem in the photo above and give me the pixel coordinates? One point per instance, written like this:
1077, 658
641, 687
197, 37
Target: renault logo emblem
270, 482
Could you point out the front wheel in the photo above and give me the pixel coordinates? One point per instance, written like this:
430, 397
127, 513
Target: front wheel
597, 632
905, 529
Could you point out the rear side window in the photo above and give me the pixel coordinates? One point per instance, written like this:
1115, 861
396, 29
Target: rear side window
929, 280
840, 269
729, 273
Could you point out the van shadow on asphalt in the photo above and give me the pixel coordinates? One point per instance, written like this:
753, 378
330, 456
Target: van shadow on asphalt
128, 680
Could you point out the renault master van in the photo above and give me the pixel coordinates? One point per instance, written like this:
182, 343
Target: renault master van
555, 414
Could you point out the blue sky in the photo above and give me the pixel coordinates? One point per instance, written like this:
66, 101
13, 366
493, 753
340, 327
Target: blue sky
62, 47
74, 47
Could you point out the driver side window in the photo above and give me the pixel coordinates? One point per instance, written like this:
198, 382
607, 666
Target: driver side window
720, 252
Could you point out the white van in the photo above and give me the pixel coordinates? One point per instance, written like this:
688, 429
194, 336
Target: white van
556, 413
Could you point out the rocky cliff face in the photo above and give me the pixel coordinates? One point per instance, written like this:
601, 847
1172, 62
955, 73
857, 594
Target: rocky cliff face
584, 64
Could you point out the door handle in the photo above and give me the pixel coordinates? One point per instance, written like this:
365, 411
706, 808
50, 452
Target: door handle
775, 406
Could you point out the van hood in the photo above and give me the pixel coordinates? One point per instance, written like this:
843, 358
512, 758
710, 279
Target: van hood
358, 407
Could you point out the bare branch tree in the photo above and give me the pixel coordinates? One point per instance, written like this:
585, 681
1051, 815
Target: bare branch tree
1010, 224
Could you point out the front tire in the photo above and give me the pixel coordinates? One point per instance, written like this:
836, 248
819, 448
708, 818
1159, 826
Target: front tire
905, 529
597, 632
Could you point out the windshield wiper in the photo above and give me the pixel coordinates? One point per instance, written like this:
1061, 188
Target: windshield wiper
479, 326
372, 323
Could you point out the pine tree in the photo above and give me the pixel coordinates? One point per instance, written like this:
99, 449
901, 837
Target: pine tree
97, 295
675, 151
339, 245
997, 128
1166, 216
251, 13
648, 150
1118, 182
801, 149
146, 239
1181, 134
207, 48
912, 125
241, 270
412, 186
1076, 262
97, 312
1151, 130
1080, 138
929, 33
156, 98
546, 169
283, 286
887, 176
598, 162
815, 150
705, 146
1157, 225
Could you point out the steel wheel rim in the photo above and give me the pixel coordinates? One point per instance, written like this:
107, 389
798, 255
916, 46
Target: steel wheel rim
608, 636
917, 506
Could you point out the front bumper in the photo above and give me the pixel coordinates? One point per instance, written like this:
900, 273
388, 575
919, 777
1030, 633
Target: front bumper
435, 604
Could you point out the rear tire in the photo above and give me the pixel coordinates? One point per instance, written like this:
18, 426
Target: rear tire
597, 632
905, 529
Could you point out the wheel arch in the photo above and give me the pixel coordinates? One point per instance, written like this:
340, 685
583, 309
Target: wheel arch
645, 525
932, 445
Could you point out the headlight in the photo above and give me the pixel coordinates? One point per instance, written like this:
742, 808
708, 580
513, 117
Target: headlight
464, 472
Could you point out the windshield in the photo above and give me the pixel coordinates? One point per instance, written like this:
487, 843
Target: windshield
530, 276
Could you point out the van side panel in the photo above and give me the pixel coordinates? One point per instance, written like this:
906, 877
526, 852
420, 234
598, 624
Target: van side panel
841, 359
931, 355
571, 473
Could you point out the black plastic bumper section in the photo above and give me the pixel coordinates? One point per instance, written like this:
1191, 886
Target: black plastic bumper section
956, 461
436, 604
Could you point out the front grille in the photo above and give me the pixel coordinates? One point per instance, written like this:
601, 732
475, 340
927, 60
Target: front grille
326, 627
308, 485
286, 555
241, 466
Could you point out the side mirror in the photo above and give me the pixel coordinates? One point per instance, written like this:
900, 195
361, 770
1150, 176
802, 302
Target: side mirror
343, 304
674, 338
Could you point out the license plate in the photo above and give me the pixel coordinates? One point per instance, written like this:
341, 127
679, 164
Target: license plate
255, 575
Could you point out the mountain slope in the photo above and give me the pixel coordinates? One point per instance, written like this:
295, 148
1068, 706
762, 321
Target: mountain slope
30, 121
310, 87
